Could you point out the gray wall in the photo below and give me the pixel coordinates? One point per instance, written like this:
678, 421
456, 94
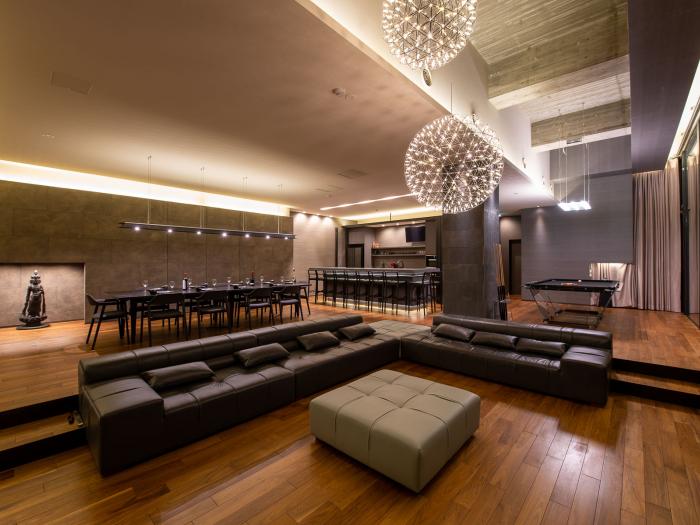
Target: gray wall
39, 224
510, 230
314, 244
563, 244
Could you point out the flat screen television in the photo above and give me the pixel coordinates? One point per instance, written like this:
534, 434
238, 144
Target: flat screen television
415, 233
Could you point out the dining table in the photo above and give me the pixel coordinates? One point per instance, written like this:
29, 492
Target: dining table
133, 299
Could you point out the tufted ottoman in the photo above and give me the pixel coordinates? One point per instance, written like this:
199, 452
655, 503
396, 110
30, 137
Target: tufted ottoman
405, 427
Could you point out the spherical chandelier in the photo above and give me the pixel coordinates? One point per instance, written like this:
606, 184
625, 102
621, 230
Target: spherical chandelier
453, 163
427, 34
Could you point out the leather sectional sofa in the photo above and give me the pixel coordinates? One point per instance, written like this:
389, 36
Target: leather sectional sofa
131, 413
580, 372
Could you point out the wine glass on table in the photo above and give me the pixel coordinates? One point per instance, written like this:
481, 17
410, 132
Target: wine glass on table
144, 283
213, 283
171, 285
228, 280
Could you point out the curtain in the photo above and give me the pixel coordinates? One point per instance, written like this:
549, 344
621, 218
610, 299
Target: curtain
618, 272
657, 240
693, 236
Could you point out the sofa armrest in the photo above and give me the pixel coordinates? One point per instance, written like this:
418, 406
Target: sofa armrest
585, 373
124, 420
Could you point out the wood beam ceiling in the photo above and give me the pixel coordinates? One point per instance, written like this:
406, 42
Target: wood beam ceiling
591, 121
551, 57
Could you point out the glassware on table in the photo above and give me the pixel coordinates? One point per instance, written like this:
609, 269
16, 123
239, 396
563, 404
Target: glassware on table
171, 284
261, 281
144, 283
213, 283
228, 280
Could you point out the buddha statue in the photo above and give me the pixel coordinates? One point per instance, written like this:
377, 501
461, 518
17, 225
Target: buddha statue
34, 311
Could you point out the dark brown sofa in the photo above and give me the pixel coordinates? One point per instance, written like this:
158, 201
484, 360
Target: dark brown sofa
128, 421
581, 373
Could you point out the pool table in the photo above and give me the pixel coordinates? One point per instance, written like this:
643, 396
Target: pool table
601, 291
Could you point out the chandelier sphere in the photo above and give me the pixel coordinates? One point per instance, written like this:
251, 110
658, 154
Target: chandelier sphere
427, 34
453, 163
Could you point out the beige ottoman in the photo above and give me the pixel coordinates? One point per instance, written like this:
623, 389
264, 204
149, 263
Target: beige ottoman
405, 427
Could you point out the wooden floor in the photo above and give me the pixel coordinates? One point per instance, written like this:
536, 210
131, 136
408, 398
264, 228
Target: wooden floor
534, 459
41, 365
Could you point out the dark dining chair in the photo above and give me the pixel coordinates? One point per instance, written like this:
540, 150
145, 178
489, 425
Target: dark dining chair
289, 296
258, 300
161, 307
213, 303
103, 312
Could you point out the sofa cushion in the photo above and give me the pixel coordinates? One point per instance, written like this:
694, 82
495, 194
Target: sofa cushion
171, 376
453, 331
498, 340
318, 341
262, 354
357, 331
533, 346
221, 362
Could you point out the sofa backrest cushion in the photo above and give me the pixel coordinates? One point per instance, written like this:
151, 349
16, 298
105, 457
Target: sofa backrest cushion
541, 332
176, 375
318, 341
135, 362
497, 340
548, 348
289, 332
259, 355
357, 331
454, 331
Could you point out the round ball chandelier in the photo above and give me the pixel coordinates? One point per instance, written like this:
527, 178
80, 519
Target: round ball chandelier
427, 34
453, 163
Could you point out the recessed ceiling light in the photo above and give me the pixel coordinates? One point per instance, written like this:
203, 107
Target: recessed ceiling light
224, 234
170, 230
199, 232
267, 236
137, 228
247, 235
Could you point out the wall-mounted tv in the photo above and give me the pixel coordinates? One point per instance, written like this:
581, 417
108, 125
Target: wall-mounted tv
415, 233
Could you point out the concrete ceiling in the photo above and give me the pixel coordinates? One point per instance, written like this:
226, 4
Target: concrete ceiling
243, 89
664, 54
555, 57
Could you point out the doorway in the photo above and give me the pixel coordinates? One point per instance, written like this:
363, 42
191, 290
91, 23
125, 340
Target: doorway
514, 267
355, 257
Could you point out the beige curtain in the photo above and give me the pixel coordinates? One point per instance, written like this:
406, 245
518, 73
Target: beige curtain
622, 272
657, 240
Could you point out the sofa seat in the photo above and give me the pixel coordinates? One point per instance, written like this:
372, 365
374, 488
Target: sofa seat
315, 371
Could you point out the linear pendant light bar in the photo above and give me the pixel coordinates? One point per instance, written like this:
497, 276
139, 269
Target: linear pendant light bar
222, 232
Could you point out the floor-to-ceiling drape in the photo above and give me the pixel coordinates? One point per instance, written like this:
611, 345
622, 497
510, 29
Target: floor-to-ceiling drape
657, 240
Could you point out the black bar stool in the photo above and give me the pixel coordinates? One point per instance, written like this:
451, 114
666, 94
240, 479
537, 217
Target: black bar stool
100, 313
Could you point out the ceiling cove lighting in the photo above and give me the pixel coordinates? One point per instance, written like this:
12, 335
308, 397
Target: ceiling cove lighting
169, 228
74, 180
427, 34
420, 211
370, 201
453, 163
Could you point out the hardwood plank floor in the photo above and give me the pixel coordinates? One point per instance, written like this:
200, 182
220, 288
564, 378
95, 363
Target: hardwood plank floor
41, 365
529, 462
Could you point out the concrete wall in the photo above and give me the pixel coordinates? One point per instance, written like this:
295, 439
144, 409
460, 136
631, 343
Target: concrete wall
563, 244
40, 224
469, 260
64, 290
510, 230
315, 242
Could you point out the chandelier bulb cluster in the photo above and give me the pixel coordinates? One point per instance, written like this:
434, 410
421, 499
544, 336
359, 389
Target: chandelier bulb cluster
453, 163
427, 34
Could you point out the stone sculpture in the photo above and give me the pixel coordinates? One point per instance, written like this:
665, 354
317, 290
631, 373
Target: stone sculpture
34, 311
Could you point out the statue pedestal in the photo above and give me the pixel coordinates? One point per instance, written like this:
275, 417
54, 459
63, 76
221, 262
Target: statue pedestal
33, 326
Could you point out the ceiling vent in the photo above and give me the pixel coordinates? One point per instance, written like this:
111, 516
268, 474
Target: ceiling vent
352, 174
65, 80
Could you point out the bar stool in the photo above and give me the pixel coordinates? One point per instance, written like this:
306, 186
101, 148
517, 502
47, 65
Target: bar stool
423, 292
330, 286
435, 290
313, 279
393, 286
351, 288
100, 313
376, 289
